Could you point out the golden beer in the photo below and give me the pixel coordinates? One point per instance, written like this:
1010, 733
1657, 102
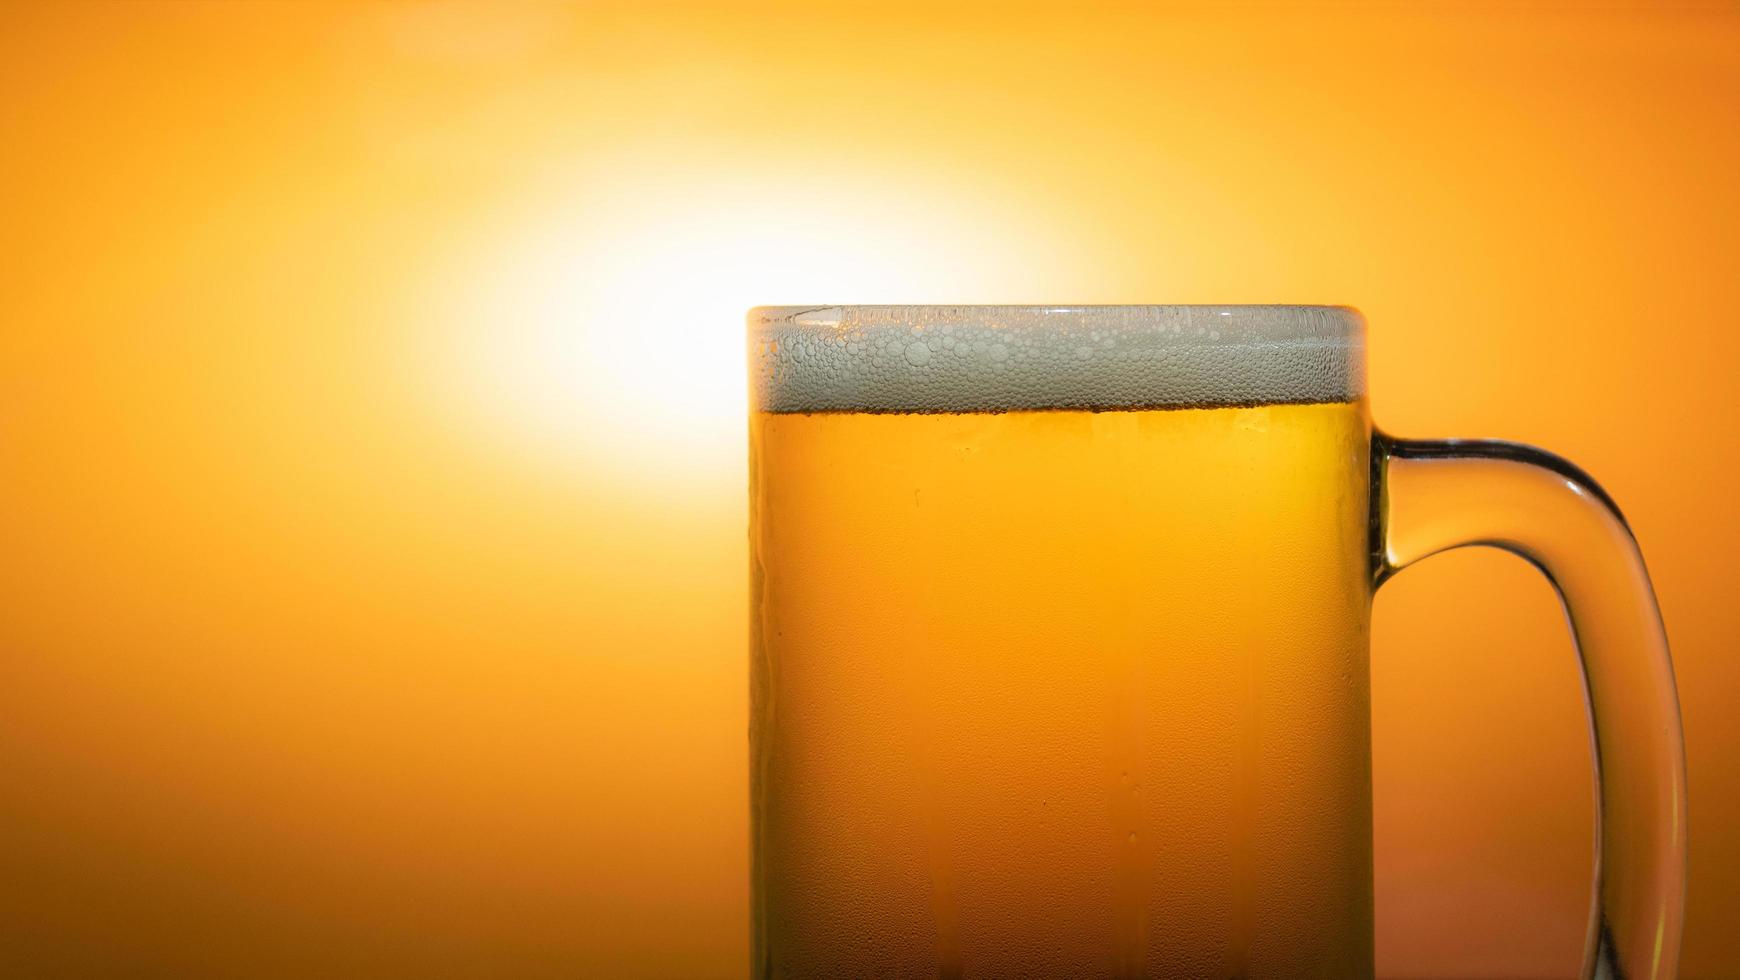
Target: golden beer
1071, 691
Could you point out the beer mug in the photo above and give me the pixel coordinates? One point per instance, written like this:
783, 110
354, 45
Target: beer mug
1060, 629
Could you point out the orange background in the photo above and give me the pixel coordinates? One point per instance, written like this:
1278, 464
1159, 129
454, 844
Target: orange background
371, 440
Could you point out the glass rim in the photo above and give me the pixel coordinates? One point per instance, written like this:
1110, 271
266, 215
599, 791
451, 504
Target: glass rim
1249, 315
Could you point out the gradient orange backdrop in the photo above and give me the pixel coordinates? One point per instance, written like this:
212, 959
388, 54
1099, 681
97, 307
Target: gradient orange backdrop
371, 440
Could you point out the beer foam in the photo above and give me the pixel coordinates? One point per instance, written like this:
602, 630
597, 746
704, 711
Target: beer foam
1019, 358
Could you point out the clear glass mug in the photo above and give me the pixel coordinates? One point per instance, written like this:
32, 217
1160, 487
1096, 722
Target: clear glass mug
1060, 627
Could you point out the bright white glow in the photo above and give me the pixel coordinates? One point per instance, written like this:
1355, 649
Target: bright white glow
615, 327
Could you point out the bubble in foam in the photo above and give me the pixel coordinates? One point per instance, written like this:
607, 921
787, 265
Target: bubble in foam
1013, 358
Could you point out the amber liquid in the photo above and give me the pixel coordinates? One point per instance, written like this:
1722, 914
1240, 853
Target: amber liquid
1062, 694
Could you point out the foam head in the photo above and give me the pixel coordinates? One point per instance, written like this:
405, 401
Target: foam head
1020, 358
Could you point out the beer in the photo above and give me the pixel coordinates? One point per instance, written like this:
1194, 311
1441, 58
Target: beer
1058, 690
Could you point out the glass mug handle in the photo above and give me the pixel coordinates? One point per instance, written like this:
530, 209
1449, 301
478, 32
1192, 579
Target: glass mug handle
1438, 495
